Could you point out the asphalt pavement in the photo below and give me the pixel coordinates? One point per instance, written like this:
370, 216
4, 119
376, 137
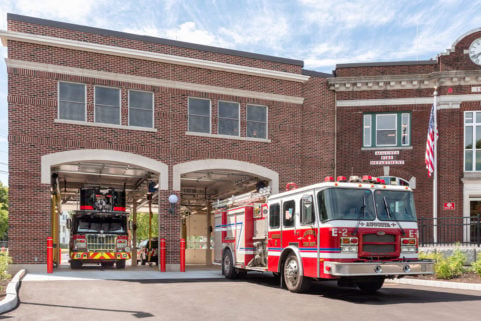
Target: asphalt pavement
258, 297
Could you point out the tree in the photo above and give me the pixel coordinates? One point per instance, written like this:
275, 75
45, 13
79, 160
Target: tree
143, 226
3, 212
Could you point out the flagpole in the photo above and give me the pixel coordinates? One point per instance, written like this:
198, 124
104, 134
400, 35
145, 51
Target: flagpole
435, 167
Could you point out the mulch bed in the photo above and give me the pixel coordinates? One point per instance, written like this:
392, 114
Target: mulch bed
3, 288
465, 278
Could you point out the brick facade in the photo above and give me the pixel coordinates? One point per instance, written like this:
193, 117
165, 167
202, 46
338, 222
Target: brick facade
315, 120
34, 131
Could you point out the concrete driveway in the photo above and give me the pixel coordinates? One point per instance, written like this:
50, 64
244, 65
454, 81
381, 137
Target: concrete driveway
256, 298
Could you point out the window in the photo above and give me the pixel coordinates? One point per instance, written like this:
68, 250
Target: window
141, 107
472, 141
274, 216
228, 118
384, 130
199, 115
256, 121
71, 101
107, 105
307, 210
289, 210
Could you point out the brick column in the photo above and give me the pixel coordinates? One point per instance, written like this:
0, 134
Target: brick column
169, 228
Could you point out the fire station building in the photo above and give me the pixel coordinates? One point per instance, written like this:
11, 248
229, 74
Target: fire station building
90, 106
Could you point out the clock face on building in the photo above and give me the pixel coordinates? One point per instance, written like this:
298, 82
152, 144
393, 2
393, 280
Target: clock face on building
475, 51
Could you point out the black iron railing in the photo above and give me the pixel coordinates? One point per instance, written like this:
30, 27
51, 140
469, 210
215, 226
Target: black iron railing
450, 230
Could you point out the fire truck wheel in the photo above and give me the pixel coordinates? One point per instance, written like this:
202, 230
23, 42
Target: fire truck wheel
120, 264
74, 264
107, 264
228, 268
370, 286
293, 279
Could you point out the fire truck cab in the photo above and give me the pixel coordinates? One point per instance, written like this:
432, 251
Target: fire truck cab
356, 231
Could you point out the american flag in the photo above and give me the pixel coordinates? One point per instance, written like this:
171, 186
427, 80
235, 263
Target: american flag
429, 158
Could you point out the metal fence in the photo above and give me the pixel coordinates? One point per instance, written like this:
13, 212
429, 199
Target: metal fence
450, 230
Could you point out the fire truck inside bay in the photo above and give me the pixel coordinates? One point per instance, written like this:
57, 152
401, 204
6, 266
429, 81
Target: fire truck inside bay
99, 230
357, 231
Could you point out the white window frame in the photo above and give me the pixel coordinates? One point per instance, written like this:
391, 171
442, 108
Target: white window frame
366, 116
58, 99
408, 129
473, 125
153, 106
188, 114
238, 117
395, 129
267, 121
120, 104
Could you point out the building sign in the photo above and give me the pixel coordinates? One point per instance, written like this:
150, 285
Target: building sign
449, 206
387, 158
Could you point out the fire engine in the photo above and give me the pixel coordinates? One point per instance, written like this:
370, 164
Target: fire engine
358, 231
99, 230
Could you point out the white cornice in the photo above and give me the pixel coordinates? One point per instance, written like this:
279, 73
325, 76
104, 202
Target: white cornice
150, 81
409, 81
146, 55
444, 101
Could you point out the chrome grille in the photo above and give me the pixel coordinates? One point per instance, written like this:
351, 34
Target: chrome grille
378, 245
101, 242
374, 238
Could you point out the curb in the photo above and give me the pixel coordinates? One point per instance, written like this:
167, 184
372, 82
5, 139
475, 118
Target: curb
439, 284
10, 302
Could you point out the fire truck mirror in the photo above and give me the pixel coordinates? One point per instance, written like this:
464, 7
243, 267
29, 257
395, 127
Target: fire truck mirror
69, 223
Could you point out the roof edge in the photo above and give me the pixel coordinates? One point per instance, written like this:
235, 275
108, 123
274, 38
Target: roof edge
162, 41
388, 63
314, 73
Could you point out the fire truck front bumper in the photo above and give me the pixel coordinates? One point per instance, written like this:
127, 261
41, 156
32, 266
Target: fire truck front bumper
390, 269
101, 256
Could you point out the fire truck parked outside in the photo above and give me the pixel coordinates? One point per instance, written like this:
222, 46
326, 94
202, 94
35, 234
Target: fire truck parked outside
358, 232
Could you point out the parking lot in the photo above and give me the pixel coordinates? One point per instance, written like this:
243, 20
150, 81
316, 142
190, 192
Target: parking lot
258, 297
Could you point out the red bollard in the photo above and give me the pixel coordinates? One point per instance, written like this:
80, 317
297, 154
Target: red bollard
182, 255
59, 256
49, 254
162, 255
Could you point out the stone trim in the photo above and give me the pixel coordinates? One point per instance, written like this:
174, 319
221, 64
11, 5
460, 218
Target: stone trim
241, 166
71, 71
53, 159
145, 55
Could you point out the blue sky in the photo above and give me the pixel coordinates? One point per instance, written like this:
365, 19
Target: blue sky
322, 33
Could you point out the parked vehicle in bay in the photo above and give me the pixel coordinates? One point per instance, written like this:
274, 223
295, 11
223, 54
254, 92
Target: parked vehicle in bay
144, 249
99, 230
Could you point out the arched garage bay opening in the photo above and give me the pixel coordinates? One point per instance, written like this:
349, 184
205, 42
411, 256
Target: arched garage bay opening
104, 169
202, 182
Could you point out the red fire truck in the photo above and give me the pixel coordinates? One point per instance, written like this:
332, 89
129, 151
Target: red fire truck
99, 230
357, 231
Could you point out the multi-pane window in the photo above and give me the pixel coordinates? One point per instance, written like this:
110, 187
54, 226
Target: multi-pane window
107, 105
387, 129
228, 118
256, 121
472, 141
199, 115
141, 106
71, 101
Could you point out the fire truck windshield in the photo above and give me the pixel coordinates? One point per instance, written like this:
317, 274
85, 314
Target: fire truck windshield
395, 205
346, 204
101, 225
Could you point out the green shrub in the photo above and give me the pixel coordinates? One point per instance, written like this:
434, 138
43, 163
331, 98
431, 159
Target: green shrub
476, 267
4, 261
451, 267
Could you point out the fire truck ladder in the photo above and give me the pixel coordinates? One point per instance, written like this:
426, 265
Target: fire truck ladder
243, 199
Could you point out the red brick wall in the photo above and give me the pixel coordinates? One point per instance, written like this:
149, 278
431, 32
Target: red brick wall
32, 103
